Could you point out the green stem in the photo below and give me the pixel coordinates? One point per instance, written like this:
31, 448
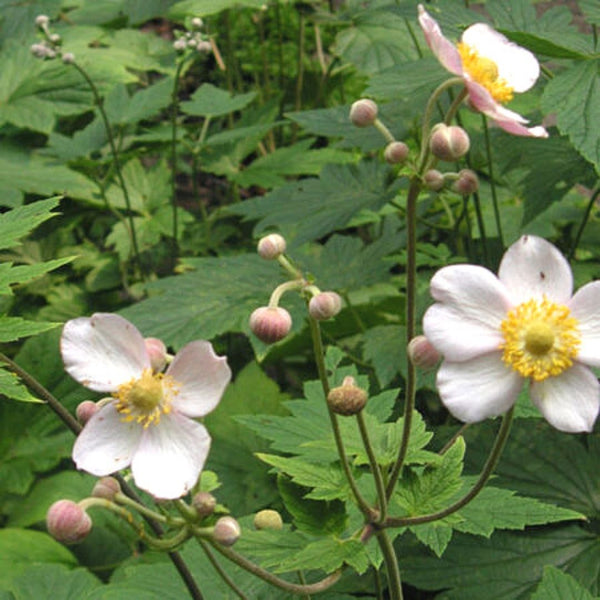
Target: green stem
339, 442
300, 66
116, 162
488, 150
174, 111
484, 476
385, 132
391, 565
375, 468
288, 586
282, 289
586, 216
221, 571
453, 439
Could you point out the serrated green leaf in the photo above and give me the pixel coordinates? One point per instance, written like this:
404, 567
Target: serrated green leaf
10, 274
385, 348
574, 95
211, 101
202, 8
18, 222
54, 581
300, 211
591, 10
552, 44
15, 328
436, 535
11, 387
556, 585
508, 566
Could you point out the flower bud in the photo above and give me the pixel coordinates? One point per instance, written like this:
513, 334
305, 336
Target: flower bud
85, 411
67, 522
271, 246
107, 488
434, 180
204, 503
197, 22
347, 399
42, 20
449, 142
363, 113
270, 324
68, 58
39, 50
422, 353
324, 305
180, 45
268, 519
157, 351
396, 153
204, 46
467, 182
55, 39
227, 531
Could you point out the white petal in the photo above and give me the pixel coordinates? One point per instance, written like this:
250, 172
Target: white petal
466, 320
103, 351
569, 402
477, 389
585, 307
170, 456
202, 377
106, 444
532, 268
443, 49
517, 66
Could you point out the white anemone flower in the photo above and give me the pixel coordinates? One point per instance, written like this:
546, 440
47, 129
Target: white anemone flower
147, 423
493, 69
497, 332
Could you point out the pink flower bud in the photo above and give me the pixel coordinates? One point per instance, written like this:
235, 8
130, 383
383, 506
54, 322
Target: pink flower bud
268, 519
204, 503
107, 488
197, 22
363, 112
227, 531
67, 522
271, 246
449, 142
324, 305
422, 353
434, 180
42, 20
157, 352
85, 411
347, 399
396, 153
270, 325
467, 182
68, 58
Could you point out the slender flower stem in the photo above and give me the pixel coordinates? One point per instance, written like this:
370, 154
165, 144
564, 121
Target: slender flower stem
288, 586
485, 474
116, 162
391, 565
375, 468
385, 132
282, 289
174, 111
488, 151
586, 216
147, 512
453, 439
300, 62
339, 442
289, 267
221, 571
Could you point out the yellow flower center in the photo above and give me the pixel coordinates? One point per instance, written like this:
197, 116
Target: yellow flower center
144, 400
485, 72
541, 339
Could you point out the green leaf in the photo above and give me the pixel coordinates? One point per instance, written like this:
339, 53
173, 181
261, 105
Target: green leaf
591, 10
210, 101
507, 566
202, 8
556, 585
14, 328
574, 95
11, 387
385, 348
10, 275
436, 535
54, 581
20, 221
299, 211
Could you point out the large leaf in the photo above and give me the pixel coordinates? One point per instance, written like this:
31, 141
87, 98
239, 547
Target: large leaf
210, 101
18, 222
194, 8
556, 585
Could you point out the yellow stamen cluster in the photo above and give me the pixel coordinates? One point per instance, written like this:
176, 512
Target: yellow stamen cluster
485, 72
541, 339
146, 399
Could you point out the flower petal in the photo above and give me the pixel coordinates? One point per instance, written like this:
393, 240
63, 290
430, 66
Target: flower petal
171, 455
570, 401
532, 268
477, 389
584, 307
106, 444
103, 351
443, 49
202, 377
466, 320
508, 120
517, 66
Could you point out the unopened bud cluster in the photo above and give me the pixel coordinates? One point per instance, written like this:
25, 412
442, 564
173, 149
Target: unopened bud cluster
227, 531
271, 246
204, 503
465, 182
270, 324
67, 522
396, 153
194, 40
347, 399
363, 112
50, 46
449, 142
422, 353
324, 305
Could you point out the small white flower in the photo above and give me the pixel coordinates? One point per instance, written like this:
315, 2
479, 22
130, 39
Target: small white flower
495, 333
148, 422
492, 67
